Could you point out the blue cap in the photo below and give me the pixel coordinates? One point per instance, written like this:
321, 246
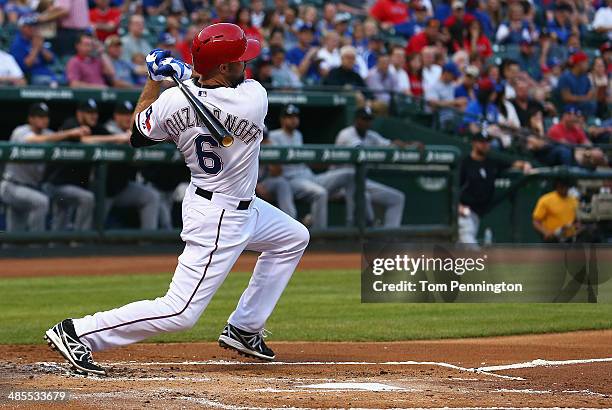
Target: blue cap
452, 68
571, 109
167, 39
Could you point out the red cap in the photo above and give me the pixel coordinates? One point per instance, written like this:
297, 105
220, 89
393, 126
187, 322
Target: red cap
485, 84
578, 57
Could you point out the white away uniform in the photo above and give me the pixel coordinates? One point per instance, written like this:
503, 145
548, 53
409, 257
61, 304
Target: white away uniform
215, 231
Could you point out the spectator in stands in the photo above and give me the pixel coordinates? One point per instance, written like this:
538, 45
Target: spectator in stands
382, 78
529, 61
474, 40
15, 9
554, 216
431, 70
20, 188
428, 37
517, 28
68, 184
315, 189
291, 26
326, 24
33, 54
167, 42
341, 26
156, 7
303, 57
524, 105
508, 123
415, 74
329, 54
416, 24
123, 70
441, 98
392, 200
574, 87
464, 92
263, 72
105, 19
282, 75
398, 62
273, 186
458, 22
606, 54
477, 175
482, 109
134, 42
87, 69
243, 20
72, 18
389, 12
510, 73
345, 75
603, 87
376, 47
568, 130
560, 25
10, 72
602, 22
122, 189
258, 13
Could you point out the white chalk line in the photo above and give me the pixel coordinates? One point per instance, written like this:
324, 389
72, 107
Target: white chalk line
541, 363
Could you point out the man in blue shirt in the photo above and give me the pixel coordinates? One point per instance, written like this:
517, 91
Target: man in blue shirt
482, 109
465, 92
574, 85
32, 53
302, 57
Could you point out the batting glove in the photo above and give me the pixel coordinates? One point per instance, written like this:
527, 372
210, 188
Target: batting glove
169, 66
153, 60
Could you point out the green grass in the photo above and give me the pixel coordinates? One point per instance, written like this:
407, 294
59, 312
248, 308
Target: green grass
317, 305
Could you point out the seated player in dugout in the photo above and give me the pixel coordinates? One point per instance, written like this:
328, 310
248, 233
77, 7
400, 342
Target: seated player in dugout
122, 189
273, 186
306, 185
68, 184
20, 189
392, 200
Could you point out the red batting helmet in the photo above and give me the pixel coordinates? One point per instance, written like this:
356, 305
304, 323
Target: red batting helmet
219, 44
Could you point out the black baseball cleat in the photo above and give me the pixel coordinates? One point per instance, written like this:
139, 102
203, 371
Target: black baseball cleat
246, 343
63, 338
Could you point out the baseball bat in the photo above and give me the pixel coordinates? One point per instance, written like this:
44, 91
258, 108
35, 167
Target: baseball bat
214, 125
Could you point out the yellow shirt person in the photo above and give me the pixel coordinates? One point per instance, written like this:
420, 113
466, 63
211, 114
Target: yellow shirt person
555, 213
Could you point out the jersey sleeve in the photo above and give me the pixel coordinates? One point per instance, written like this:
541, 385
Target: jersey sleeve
379, 140
148, 121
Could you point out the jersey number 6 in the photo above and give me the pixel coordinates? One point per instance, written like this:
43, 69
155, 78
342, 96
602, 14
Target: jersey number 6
209, 161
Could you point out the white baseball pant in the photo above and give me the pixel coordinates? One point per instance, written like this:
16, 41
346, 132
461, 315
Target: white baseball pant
215, 234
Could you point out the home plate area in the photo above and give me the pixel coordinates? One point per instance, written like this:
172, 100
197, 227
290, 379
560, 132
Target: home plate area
482, 373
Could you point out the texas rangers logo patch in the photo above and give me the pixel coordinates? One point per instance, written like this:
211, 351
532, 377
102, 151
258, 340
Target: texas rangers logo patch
148, 118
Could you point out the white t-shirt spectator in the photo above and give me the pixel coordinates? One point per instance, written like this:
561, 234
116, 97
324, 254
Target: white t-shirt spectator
603, 20
329, 59
403, 82
431, 75
9, 67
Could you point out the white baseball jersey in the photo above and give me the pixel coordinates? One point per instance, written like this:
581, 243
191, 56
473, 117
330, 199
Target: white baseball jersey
25, 173
230, 171
349, 137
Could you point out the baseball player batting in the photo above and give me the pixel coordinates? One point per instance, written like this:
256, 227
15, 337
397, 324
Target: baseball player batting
221, 215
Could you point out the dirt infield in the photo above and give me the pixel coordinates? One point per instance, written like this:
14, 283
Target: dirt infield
123, 265
555, 370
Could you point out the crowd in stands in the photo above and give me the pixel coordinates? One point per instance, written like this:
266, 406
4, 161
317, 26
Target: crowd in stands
459, 57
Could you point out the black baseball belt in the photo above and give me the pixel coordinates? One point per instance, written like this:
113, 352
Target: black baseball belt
242, 205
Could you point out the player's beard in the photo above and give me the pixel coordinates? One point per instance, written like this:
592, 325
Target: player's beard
236, 82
